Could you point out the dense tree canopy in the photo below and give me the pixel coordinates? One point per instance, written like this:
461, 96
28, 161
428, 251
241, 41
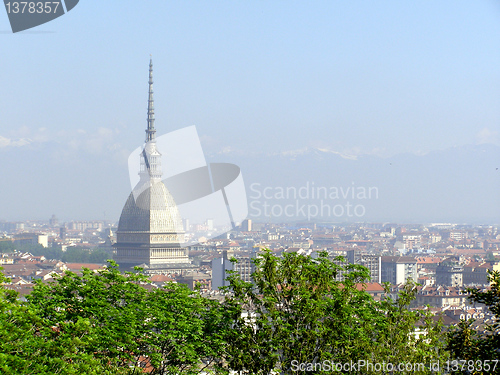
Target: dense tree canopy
295, 312
293, 315
29, 344
109, 321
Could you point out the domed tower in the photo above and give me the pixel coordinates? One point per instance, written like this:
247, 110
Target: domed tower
150, 228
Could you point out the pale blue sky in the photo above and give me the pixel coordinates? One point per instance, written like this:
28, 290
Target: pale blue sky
370, 75
356, 77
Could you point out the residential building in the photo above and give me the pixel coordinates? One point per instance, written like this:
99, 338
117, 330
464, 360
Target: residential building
398, 269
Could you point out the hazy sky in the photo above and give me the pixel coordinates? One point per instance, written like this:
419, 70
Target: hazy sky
357, 77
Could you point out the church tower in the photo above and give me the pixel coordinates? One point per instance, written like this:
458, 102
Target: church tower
150, 228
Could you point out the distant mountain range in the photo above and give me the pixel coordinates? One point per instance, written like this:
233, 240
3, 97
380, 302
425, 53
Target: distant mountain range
460, 184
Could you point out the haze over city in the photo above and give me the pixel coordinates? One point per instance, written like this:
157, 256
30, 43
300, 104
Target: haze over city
400, 97
249, 187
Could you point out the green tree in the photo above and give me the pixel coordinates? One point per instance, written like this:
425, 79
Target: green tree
490, 257
186, 331
409, 336
110, 306
28, 345
83, 255
35, 249
7, 246
296, 312
169, 330
469, 341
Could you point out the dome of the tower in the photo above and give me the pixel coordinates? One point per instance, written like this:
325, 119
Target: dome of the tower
152, 211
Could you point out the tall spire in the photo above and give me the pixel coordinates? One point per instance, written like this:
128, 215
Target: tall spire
150, 131
150, 157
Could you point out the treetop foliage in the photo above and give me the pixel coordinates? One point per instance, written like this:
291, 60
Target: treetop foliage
294, 311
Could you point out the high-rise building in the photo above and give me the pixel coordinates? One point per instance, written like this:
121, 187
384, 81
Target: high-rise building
370, 261
398, 269
243, 266
150, 230
246, 226
449, 274
53, 222
210, 224
62, 232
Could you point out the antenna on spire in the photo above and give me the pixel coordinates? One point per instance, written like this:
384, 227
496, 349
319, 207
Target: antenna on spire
150, 131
